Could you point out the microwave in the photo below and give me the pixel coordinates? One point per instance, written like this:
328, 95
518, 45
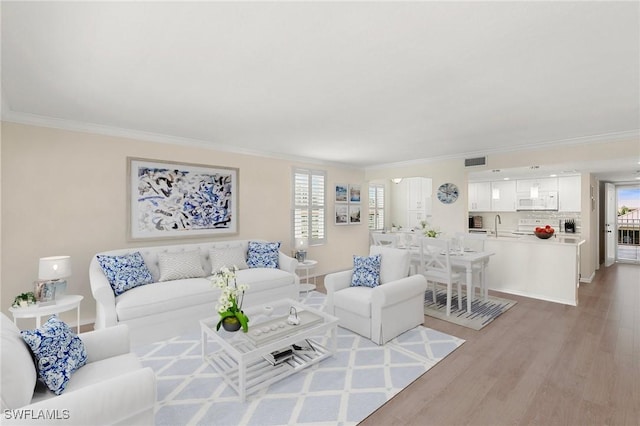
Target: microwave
546, 200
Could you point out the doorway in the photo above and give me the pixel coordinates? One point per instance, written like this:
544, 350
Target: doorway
628, 223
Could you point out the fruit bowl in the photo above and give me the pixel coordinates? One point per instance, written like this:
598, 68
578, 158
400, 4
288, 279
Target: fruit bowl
544, 233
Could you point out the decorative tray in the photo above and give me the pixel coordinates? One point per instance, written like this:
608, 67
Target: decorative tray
278, 327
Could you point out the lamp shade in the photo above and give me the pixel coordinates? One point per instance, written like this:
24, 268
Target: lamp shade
301, 244
54, 267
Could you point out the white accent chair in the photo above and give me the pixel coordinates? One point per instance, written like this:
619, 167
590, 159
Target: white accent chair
112, 388
383, 312
435, 265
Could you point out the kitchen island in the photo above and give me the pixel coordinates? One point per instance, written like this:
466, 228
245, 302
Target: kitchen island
529, 266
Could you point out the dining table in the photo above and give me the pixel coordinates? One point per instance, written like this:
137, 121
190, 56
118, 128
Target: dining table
463, 259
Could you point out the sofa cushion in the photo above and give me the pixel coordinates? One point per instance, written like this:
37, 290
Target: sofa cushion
354, 299
58, 351
180, 265
394, 263
262, 254
366, 271
172, 295
125, 272
18, 372
229, 257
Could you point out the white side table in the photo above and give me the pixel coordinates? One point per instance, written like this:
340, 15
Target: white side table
63, 304
307, 266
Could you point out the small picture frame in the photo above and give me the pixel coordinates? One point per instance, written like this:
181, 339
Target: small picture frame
342, 214
354, 214
341, 193
354, 193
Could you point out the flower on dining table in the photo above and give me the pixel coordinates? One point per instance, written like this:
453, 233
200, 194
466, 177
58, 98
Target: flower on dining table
231, 297
428, 230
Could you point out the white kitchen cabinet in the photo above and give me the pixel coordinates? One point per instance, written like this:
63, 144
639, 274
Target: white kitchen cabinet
503, 196
479, 197
544, 184
411, 202
569, 188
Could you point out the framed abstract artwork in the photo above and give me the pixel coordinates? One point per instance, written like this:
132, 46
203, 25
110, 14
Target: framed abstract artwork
178, 200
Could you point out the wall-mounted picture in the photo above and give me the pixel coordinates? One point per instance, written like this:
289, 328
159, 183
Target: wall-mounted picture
342, 214
354, 193
168, 200
354, 214
342, 193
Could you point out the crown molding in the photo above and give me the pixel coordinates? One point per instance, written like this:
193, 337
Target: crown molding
64, 124
78, 126
582, 140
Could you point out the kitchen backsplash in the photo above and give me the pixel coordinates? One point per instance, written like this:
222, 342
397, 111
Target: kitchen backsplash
510, 219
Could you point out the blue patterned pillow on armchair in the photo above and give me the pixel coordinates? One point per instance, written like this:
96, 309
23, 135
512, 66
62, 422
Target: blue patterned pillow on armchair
366, 271
58, 352
263, 255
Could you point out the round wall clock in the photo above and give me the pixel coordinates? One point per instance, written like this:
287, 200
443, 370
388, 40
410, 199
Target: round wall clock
447, 193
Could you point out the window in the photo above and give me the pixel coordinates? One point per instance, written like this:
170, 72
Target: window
376, 206
309, 205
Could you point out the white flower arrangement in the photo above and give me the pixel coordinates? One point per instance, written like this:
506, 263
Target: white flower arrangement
231, 297
428, 230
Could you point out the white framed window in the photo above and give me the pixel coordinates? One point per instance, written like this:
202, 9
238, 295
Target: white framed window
376, 206
309, 209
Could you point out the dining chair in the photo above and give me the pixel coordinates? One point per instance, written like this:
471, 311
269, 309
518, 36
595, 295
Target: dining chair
384, 239
474, 242
435, 265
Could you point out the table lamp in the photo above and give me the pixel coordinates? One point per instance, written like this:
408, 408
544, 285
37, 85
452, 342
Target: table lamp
52, 274
301, 249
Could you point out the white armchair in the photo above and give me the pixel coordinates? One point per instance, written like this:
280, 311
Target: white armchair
383, 312
112, 388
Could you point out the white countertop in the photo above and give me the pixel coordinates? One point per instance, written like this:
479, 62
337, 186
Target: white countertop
562, 238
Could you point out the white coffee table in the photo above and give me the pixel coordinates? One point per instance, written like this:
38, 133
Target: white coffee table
239, 357
37, 311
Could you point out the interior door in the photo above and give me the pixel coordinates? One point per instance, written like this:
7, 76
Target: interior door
611, 213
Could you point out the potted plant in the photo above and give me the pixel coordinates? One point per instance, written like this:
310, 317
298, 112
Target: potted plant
230, 302
24, 299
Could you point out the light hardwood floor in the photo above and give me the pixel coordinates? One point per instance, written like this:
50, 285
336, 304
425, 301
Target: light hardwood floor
540, 363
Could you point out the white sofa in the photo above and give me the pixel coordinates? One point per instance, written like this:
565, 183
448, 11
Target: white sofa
383, 312
165, 309
112, 388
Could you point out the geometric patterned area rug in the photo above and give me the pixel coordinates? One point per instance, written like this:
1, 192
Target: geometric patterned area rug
483, 312
343, 389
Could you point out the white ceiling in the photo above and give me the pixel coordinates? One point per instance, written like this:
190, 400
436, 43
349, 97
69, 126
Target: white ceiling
360, 83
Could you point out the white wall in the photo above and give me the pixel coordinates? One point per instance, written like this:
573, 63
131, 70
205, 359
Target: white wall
64, 193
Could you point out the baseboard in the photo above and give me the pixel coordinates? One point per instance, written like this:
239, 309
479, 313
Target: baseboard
588, 280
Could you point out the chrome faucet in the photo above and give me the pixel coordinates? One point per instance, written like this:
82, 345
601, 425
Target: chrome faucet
497, 220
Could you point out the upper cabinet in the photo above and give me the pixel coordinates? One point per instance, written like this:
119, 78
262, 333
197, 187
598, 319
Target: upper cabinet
503, 196
543, 184
569, 199
479, 196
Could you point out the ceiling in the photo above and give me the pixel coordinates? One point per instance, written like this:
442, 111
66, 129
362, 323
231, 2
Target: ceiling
360, 83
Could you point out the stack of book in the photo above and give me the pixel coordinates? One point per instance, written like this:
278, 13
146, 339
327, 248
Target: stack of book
280, 356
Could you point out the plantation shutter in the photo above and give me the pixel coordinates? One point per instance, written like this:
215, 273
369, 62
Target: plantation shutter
309, 205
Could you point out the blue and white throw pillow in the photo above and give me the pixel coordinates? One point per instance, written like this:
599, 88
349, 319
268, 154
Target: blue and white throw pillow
125, 272
366, 271
58, 352
263, 255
